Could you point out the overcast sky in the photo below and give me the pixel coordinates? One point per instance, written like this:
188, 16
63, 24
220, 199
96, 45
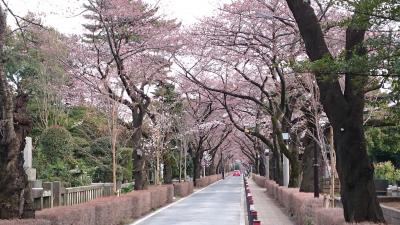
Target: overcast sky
62, 13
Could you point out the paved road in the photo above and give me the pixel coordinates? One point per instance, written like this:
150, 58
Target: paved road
220, 203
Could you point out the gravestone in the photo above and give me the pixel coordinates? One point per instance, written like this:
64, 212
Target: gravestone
30, 172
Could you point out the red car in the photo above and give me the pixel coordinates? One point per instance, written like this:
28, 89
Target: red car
236, 173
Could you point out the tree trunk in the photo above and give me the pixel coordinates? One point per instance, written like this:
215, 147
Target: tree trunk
196, 168
15, 192
261, 168
307, 180
218, 168
167, 169
15, 198
256, 166
277, 164
138, 155
211, 169
294, 175
356, 173
345, 112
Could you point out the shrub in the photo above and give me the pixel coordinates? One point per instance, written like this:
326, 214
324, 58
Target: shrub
155, 193
25, 222
183, 189
127, 189
100, 149
109, 210
83, 214
113, 210
386, 171
260, 180
305, 208
54, 158
56, 143
125, 166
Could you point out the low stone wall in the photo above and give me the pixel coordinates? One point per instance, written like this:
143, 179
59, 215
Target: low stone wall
303, 207
104, 211
183, 189
207, 180
392, 215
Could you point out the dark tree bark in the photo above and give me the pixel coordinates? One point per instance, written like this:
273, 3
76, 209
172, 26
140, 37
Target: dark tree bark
15, 198
211, 169
307, 184
138, 155
294, 176
261, 168
345, 112
196, 168
277, 163
307, 181
167, 169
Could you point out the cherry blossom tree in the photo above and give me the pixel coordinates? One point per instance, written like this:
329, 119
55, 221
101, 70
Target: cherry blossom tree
208, 132
344, 105
128, 47
239, 55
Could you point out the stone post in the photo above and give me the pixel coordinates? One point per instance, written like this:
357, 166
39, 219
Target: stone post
48, 195
57, 193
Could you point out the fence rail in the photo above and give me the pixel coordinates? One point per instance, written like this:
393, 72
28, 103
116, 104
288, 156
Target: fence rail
77, 195
53, 194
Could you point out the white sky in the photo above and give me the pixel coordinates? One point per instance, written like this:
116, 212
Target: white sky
61, 14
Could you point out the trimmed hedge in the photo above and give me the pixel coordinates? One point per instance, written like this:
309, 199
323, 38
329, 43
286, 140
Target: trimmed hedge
25, 222
207, 180
260, 180
78, 215
110, 210
304, 207
183, 189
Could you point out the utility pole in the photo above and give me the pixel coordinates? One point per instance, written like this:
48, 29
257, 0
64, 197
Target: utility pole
113, 146
266, 157
316, 125
316, 177
285, 162
184, 158
333, 166
222, 167
180, 162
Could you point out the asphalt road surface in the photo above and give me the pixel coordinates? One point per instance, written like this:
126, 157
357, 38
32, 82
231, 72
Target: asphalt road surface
218, 204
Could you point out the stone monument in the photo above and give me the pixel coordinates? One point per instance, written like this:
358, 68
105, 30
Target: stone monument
30, 172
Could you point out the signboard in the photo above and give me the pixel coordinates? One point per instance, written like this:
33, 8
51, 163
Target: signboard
285, 136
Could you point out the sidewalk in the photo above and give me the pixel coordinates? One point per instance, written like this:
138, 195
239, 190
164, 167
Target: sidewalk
268, 209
